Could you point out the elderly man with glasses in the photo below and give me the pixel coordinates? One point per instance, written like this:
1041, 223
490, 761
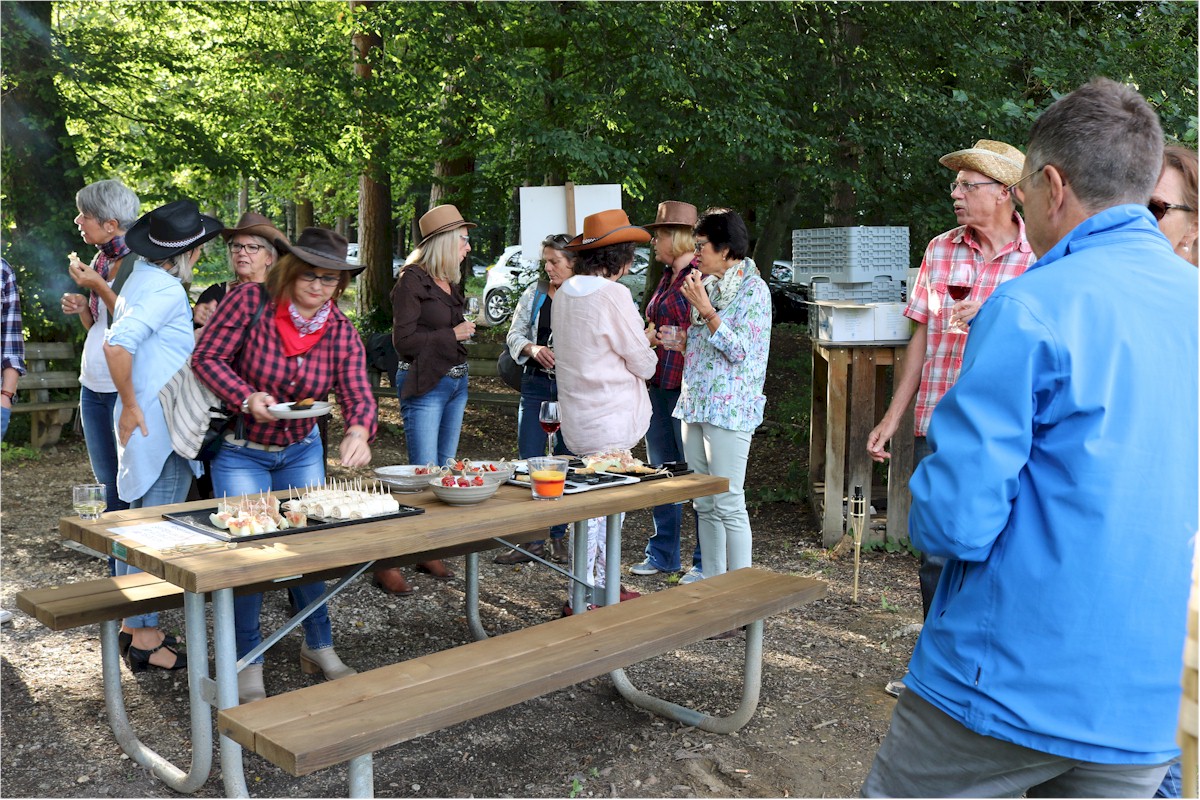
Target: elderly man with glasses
986, 249
1062, 492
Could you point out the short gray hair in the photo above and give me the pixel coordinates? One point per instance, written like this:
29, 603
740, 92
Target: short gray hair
109, 199
1105, 139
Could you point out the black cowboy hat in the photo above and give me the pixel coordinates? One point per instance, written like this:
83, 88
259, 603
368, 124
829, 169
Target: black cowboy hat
171, 229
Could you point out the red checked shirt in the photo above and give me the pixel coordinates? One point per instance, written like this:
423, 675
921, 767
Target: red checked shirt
668, 306
337, 363
929, 303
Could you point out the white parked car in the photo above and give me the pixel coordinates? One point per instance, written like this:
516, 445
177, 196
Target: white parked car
352, 257
512, 272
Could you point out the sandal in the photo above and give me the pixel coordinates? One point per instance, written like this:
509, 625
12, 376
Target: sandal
125, 640
139, 660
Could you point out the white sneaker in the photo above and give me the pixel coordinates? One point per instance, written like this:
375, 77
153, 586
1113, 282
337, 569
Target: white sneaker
895, 688
6, 616
691, 576
644, 568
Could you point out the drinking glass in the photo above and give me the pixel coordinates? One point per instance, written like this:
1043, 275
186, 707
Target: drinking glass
547, 477
471, 314
962, 278
548, 417
671, 337
89, 500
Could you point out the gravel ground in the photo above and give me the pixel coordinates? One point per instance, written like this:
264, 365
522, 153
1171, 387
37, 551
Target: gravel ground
822, 714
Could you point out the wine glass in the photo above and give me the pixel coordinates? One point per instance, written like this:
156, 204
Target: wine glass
88, 500
471, 314
548, 417
962, 278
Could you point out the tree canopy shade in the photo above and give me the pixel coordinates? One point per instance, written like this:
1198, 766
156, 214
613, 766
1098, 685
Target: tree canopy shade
795, 114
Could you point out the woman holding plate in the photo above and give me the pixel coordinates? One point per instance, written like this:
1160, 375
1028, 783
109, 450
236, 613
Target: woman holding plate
724, 368
302, 346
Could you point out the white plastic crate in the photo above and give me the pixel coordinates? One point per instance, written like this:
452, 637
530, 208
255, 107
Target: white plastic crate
884, 289
850, 255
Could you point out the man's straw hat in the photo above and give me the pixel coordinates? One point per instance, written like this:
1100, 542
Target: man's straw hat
997, 160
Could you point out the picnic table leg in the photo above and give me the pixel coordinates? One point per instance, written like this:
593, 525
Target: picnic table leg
225, 647
114, 701
580, 592
472, 599
362, 776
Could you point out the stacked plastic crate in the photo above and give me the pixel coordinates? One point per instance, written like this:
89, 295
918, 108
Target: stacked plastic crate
856, 265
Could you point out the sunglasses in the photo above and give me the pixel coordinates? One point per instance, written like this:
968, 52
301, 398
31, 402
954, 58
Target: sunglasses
1159, 208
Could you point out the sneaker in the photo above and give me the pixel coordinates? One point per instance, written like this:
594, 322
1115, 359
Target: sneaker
644, 568
895, 688
517, 557
6, 616
691, 576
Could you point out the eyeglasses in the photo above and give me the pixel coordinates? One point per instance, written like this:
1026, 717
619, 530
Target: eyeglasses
464, 237
252, 249
326, 280
700, 244
1159, 208
968, 187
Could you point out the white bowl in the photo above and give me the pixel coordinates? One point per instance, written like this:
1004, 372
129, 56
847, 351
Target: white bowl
463, 495
503, 469
404, 478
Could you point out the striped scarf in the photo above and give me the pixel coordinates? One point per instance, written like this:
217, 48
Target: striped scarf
107, 255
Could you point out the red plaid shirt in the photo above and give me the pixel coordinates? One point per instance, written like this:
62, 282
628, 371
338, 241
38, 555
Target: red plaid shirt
668, 306
943, 349
336, 364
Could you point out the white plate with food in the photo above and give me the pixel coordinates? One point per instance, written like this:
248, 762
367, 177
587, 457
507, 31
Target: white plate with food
301, 409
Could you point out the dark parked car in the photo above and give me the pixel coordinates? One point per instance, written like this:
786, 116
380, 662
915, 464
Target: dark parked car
789, 301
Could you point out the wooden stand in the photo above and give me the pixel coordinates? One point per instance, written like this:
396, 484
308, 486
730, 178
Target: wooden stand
849, 396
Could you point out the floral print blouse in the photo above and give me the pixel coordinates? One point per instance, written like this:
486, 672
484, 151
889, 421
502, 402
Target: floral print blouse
724, 372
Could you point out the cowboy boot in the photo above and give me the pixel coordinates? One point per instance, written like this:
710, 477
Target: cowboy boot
325, 660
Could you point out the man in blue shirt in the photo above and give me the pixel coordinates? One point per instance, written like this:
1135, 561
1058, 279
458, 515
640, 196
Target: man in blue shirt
1062, 489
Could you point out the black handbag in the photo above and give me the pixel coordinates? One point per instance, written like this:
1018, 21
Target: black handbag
509, 370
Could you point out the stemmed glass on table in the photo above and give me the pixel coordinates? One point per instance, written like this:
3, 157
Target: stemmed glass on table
471, 314
548, 417
962, 278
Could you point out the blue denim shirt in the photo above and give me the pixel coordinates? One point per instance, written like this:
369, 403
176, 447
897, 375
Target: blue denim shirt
1063, 488
153, 321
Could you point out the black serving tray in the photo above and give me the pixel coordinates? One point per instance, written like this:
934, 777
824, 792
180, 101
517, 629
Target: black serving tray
198, 521
671, 469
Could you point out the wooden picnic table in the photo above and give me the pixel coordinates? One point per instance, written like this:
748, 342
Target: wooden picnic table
220, 569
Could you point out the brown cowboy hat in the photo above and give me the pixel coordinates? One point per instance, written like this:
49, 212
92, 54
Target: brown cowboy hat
441, 219
997, 160
320, 247
171, 229
674, 212
607, 227
253, 224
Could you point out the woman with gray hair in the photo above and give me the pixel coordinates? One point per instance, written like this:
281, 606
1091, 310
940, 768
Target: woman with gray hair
149, 340
106, 210
251, 254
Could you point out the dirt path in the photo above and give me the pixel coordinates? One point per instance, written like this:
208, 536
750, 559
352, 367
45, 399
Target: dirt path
822, 714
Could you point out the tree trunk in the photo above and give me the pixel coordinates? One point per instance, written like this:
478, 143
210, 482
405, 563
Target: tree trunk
374, 188
848, 151
774, 241
304, 214
40, 175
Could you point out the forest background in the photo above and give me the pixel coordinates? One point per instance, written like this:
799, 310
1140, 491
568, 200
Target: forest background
361, 115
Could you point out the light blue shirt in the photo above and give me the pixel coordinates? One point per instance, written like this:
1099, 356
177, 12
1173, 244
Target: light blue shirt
1063, 489
153, 321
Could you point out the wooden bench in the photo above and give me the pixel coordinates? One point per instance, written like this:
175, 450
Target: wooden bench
326, 724
33, 390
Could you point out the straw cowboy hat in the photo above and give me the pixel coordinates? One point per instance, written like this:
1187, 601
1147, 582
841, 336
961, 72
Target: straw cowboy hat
171, 229
997, 160
441, 219
607, 227
674, 212
253, 224
320, 247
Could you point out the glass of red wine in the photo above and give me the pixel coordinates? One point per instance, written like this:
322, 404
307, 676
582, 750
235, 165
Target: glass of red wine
962, 278
548, 417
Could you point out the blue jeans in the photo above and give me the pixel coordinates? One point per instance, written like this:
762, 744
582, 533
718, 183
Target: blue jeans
240, 470
1172, 782
100, 434
537, 387
5, 414
664, 442
433, 421
171, 487
930, 571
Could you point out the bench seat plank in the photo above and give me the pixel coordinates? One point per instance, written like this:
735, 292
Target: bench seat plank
332, 722
73, 605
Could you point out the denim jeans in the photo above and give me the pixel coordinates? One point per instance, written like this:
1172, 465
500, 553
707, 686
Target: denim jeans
171, 487
238, 470
930, 571
531, 439
722, 520
100, 434
5, 414
664, 442
433, 421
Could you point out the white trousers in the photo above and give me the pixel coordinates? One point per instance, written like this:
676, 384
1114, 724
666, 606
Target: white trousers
722, 521
597, 545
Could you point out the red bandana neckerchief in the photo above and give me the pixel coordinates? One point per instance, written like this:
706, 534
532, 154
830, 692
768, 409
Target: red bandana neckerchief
297, 342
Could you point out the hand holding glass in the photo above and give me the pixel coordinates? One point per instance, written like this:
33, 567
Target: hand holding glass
471, 314
548, 417
672, 337
89, 500
547, 477
962, 277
